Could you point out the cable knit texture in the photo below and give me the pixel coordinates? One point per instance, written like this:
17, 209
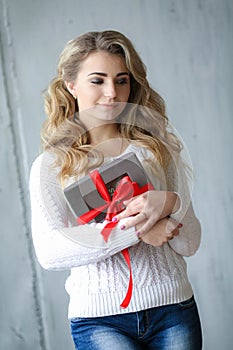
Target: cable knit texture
99, 275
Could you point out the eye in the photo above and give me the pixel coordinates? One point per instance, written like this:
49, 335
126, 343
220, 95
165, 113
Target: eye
97, 81
122, 81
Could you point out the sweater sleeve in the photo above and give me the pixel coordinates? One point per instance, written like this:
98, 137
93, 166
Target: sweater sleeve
58, 244
188, 240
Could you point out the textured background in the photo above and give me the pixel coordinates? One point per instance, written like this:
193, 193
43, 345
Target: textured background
188, 49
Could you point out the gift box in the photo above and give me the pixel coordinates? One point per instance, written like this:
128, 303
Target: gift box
84, 195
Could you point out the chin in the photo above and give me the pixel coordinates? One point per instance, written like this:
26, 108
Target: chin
109, 112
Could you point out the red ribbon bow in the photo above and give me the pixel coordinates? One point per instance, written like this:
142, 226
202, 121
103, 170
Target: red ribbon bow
125, 190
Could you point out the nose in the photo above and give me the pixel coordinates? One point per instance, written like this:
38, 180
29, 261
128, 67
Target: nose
110, 90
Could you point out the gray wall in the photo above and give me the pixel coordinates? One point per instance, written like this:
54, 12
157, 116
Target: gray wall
187, 46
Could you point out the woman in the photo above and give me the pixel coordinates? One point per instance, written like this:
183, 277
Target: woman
99, 107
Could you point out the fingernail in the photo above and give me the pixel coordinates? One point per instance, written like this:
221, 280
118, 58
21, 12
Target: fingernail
122, 227
138, 233
114, 219
180, 225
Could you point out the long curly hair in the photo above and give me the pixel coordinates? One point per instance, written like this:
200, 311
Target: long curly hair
145, 123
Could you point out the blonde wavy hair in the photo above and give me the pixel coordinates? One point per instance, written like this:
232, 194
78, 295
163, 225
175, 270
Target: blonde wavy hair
145, 123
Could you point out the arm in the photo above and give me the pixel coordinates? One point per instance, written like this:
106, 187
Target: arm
59, 246
189, 238
183, 238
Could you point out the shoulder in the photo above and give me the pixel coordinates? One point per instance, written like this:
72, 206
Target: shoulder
45, 159
43, 166
36, 163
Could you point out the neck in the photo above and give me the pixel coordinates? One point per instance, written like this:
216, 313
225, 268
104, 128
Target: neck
107, 140
103, 133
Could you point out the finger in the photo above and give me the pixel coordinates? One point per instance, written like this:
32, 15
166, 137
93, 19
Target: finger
137, 200
171, 225
124, 214
176, 232
146, 227
128, 201
128, 211
133, 221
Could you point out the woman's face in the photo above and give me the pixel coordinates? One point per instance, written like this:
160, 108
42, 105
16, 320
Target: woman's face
102, 82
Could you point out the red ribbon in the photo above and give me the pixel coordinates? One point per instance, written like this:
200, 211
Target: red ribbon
126, 189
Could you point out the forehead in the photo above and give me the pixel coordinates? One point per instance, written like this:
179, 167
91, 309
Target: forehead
100, 61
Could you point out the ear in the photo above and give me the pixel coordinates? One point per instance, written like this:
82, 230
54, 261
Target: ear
70, 88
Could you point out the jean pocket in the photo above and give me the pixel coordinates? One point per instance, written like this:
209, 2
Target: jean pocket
187, 304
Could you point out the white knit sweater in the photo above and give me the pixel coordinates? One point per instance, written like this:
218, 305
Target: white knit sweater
99, 275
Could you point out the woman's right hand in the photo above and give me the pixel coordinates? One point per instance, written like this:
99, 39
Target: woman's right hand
148, 208
163, 231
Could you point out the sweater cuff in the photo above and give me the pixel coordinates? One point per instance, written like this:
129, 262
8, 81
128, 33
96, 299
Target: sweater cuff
123, 238
178, 214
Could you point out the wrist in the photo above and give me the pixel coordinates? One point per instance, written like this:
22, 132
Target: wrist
171, 205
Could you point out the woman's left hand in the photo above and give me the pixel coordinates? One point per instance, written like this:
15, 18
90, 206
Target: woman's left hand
149, 207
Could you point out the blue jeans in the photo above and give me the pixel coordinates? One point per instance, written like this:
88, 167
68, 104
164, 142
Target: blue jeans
170, 327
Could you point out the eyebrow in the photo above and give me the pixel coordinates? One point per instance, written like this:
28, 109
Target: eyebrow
105, 75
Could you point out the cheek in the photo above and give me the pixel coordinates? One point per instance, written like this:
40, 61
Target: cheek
86, 98
128, 94
129, 89
125, 93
